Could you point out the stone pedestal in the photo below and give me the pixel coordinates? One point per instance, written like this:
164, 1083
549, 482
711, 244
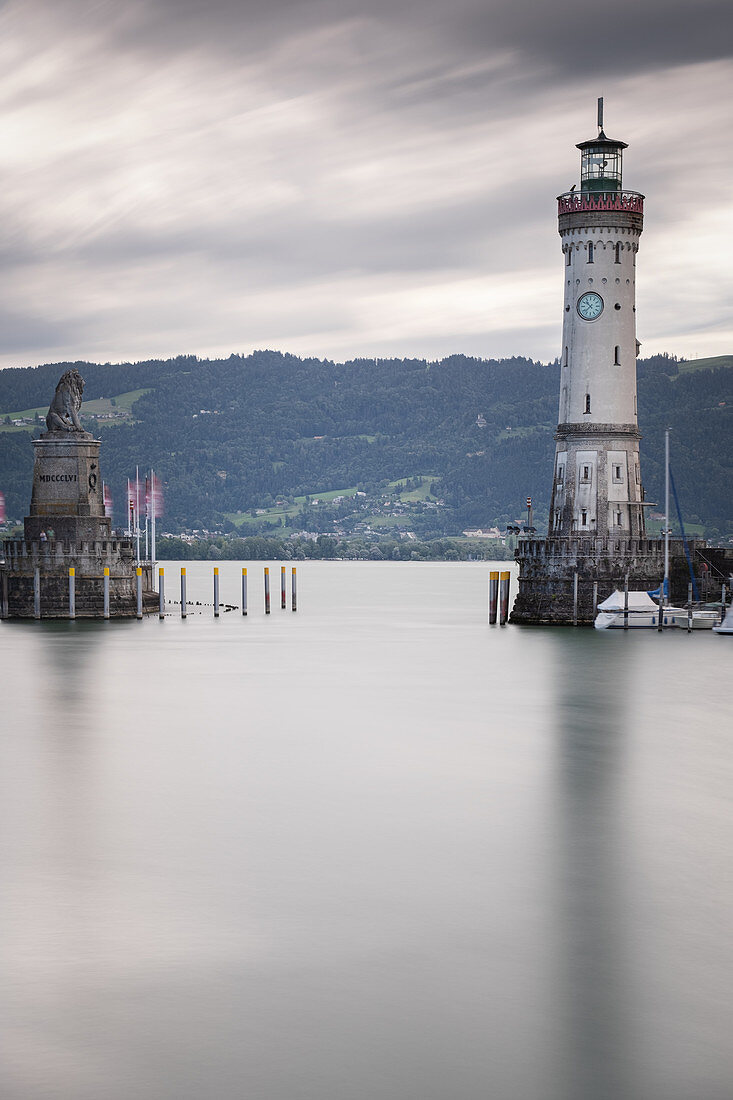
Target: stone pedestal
67, 501
67, 509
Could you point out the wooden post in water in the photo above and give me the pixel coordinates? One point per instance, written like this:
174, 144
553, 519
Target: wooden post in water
106, 592
493, 596
216, 591
504, 581
283, 600
626, 602
294, 592
36, 593
139, 591
267, 590
72, 592
183, 591
244, 590
161, 592
575, 598
689, 607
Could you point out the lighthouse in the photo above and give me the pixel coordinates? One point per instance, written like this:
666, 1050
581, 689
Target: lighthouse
597, 486
596, 540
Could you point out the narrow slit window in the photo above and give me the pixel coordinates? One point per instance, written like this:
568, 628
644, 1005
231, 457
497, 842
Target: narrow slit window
590, 252
566, 356
617, 473
586, 473
587, 402
560, 473
568, 256
618, 519
584, 518
617, 356
618, 253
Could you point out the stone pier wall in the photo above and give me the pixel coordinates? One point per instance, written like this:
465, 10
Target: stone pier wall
89, 560
547, 568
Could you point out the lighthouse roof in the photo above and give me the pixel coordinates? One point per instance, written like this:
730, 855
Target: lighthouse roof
603, 141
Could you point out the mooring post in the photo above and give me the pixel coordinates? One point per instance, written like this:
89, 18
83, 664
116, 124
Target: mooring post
106, 591
283, 602
36, 593
183, 592
216, 591
161, 592
660, 617
595, 598
504, 580
722, 603
244, 590
267, 590
626, 602
294, 591
575, 598
493, 596
139, 591
72, 592
689, 607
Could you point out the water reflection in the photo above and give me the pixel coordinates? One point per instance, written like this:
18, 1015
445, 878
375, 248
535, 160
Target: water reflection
591, 730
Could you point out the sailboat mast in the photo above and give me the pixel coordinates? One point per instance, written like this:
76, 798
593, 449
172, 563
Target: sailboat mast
666, 516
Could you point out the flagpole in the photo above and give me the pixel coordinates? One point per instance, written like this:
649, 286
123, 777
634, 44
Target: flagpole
666, 519
152, 522
137, 514
147, 514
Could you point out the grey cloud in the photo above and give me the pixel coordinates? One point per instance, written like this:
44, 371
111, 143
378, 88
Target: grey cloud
569, 35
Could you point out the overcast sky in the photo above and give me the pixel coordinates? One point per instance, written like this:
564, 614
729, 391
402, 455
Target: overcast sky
339, 179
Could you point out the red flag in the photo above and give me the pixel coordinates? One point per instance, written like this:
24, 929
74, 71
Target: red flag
154, 496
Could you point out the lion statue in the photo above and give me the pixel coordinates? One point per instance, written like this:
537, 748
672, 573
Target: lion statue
63, 415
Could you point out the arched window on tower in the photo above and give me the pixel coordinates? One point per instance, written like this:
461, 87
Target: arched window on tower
618, 252
617, 356
590, 252
587, 403
570, 249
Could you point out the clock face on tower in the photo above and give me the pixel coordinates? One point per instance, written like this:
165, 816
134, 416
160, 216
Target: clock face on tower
590, 306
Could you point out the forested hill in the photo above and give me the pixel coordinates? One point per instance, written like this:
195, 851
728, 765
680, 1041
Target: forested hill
233, 436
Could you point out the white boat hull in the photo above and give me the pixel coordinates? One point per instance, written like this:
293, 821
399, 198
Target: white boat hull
644, 620
701, 620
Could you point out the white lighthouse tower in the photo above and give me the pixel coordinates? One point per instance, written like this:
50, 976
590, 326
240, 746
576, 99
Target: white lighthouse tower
597, 479
596, 538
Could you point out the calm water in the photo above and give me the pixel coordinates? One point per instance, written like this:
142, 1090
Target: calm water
375, 849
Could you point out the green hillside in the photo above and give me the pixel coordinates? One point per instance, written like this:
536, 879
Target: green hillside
427, 448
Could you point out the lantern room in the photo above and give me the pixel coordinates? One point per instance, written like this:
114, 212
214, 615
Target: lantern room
601, 165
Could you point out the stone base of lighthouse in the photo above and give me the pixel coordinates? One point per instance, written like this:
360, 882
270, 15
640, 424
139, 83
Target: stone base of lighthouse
547, 570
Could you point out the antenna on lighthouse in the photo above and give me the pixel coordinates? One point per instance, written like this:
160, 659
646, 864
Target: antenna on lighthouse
600, 114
